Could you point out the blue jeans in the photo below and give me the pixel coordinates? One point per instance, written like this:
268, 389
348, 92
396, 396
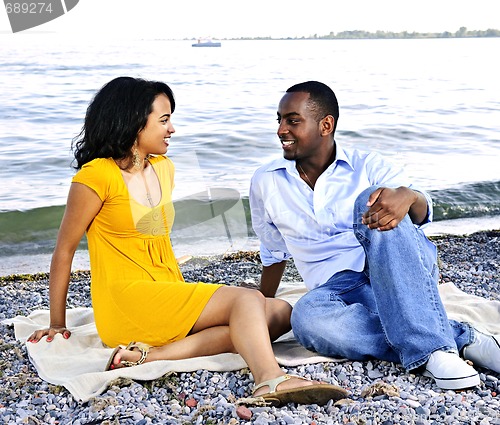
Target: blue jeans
391, 311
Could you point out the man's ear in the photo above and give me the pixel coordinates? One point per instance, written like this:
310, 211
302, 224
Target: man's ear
327, 125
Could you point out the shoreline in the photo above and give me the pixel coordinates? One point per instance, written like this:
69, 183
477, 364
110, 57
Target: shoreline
471, 262
40, 263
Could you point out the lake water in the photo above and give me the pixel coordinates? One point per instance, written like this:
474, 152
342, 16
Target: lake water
432, 106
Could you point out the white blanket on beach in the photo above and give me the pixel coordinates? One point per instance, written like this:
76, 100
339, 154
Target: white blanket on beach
78, 363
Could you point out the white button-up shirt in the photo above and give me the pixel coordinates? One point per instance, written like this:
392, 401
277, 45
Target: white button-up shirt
316, 227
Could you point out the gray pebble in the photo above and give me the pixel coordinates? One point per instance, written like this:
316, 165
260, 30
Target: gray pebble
23, 395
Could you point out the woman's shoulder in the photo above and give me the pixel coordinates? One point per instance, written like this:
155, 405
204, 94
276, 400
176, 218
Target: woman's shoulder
102, 175
98, 167
100, 163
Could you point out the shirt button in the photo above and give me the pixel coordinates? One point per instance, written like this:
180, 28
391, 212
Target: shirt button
156, 215
155, 231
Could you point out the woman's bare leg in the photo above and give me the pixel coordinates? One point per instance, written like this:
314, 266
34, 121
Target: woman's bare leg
235, 319
215, 339
244, 311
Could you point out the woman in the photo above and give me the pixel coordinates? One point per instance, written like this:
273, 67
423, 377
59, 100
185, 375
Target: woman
121, 196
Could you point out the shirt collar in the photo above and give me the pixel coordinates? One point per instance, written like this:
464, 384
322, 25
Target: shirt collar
282, 163
342, 157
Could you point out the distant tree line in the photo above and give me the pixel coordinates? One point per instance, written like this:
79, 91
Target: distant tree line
463, 32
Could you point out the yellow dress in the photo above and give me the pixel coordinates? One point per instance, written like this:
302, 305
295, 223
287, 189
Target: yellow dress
138, 292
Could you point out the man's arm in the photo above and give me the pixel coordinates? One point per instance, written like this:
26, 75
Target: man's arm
418, 211
271, 277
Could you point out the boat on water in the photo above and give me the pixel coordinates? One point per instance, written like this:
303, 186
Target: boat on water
207, 43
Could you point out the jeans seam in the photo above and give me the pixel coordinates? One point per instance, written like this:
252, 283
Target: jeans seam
432, 294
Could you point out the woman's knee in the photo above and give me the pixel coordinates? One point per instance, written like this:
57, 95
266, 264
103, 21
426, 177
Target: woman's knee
224, 302
253, 295
236, 294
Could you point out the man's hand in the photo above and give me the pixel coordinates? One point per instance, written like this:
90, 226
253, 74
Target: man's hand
387, 207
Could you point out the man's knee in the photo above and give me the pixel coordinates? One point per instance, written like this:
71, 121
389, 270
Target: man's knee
362, 198
297, 317
327, 334
301, 320
360, 203
303, 330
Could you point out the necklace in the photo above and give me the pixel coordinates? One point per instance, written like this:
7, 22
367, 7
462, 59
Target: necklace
306, 176
148, 192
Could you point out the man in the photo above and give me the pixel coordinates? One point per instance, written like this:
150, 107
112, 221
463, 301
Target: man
352, 223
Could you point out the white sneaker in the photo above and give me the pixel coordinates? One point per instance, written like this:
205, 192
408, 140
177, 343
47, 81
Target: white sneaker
450, 372
484, 351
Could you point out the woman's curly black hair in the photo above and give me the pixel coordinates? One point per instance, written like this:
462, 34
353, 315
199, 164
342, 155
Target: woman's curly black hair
116, 114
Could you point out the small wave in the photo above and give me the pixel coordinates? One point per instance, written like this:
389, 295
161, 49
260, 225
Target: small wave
467, 201
34, 231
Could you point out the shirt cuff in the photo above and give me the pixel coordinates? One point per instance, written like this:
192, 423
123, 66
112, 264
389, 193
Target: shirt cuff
268, 258
430, 212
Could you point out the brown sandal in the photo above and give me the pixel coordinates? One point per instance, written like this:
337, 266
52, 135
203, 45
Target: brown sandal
143, 348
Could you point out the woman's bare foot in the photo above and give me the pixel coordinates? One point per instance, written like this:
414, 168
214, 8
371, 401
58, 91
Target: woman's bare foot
131, 355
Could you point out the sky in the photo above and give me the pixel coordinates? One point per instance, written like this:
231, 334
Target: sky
178, 19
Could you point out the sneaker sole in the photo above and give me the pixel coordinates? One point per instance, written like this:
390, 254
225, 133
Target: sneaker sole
455, 383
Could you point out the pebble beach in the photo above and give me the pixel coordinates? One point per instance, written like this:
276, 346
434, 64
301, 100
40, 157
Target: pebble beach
379, 392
